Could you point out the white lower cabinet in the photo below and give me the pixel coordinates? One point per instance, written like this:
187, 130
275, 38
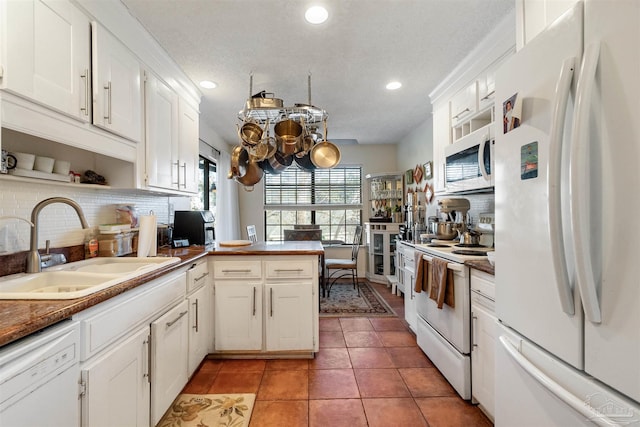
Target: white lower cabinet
483, 340
266, 304
133, 354
200, 298
288, 318
169, 358
200, 325
117, 389
408, 274
238, 315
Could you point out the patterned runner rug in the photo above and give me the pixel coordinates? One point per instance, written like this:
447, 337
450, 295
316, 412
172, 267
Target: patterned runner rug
344, 302
209, 410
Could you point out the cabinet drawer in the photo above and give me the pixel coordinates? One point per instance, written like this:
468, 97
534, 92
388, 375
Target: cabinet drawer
289, 269
197, 275
483, 283
106, 322
237, 269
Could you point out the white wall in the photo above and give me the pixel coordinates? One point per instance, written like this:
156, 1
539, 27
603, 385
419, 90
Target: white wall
417, 147
372, 158
58, 222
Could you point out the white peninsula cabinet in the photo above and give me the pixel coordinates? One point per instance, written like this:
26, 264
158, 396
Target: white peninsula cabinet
46, 54
117, 85
266, 305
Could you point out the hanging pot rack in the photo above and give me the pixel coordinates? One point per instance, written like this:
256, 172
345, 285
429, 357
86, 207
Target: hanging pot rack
261, 111
262, 106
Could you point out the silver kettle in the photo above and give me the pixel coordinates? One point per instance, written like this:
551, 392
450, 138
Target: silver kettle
469, 237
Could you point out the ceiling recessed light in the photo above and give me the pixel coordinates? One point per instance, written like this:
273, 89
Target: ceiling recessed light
207, 84
316, 15
394, 85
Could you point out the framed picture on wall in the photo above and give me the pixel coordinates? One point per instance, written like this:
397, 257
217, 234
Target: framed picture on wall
428, 170
408, 177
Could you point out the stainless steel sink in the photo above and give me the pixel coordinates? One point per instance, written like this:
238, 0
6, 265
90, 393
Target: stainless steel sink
78, 279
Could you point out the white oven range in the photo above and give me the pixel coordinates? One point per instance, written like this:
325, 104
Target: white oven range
444, 335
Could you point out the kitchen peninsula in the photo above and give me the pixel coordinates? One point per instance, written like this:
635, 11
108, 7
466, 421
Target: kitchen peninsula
266, 299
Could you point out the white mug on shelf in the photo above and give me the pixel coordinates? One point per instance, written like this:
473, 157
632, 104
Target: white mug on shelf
44, 164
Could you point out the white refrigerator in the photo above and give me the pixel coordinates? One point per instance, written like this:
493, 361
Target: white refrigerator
566, 197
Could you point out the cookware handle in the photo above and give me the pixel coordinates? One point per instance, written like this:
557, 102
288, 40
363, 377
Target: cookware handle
577, 177
577, 403
554, 207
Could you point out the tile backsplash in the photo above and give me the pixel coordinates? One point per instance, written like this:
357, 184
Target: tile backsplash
59, 222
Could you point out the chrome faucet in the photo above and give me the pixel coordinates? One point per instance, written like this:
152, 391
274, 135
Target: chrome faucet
33, 259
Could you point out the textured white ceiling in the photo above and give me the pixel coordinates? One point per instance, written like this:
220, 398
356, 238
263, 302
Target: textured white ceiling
363, 45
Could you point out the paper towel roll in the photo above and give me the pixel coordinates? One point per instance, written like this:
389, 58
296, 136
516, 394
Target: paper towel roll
147, 236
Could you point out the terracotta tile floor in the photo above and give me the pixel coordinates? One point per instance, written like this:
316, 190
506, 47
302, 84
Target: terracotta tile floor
368, 372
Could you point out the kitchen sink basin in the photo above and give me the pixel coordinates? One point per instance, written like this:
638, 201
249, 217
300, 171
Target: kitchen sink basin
78, 279
117, 265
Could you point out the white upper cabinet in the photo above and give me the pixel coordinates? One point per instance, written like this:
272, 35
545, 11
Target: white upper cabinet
533, 16
441, 138
188, 122
463, 104
46, 54
117, 91
161, 123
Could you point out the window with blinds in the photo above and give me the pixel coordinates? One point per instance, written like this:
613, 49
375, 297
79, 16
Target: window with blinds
328, 198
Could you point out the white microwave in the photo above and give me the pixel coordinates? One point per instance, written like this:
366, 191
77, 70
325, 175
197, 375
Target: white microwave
469, 164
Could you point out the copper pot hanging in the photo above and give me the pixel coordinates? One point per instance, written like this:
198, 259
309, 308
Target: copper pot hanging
288, 135
325, 154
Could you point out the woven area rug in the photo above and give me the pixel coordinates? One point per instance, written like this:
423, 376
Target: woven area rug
209, 410
344, 302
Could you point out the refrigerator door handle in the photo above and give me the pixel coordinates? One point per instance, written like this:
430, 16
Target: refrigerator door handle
563, 86
579, 405
577, 177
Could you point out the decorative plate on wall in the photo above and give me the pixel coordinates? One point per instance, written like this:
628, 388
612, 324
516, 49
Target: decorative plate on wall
417, 174
428, 193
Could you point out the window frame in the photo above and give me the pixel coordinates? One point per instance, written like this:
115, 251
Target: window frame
314, 208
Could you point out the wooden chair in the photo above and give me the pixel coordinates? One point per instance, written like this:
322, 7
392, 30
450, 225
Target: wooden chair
251, 233
338, 268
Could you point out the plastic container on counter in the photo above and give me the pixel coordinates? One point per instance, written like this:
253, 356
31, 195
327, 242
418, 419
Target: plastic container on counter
116, 244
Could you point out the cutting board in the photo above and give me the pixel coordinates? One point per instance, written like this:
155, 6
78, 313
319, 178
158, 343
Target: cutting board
234, 243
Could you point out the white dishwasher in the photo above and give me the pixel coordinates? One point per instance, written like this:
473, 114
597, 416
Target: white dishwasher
39, 379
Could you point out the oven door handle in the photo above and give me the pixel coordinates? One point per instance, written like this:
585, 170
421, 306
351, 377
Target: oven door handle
450, 266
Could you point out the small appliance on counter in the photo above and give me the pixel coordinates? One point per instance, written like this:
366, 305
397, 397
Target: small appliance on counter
195, 226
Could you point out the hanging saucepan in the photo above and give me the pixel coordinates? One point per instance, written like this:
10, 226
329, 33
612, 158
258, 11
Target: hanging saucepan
288, 135
325, 154
305, 162
250, 134
243, 170
307, 141
262, 149
277, 163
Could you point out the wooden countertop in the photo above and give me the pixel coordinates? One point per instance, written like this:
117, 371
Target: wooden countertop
301, 247
19, 318
482, 265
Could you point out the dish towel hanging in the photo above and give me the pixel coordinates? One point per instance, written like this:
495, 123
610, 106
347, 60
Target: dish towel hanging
442, 284
423, 276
